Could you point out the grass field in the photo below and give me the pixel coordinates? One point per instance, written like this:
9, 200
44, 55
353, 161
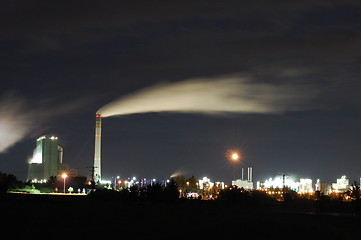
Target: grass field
25, 215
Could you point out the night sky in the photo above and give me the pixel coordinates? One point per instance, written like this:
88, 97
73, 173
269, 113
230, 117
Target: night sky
61, 61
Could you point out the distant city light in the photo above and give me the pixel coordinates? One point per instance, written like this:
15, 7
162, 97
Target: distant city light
39, 181
64, 176
105, 181
44, 137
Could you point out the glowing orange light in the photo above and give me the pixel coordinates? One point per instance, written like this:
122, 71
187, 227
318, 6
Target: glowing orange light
234, 155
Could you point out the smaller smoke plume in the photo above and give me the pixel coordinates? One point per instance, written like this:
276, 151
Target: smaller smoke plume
15, 122
19, 120
177, 173
233, 94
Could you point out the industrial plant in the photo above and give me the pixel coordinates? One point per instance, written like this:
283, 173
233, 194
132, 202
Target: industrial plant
47, 162
304, 185
245, 184
47, 159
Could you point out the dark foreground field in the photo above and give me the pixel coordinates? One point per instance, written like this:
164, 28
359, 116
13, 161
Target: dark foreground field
49, 216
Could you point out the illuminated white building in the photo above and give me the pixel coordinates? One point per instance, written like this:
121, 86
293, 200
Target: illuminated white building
280, 182
303, 186
321, 186
206, 184
341, 184
245, 184
47, 159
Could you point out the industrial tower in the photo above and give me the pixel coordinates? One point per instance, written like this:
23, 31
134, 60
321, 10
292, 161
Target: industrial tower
97, 151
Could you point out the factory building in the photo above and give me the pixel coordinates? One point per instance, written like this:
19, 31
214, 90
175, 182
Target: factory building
285, 181
46, 160
305, 185
245, 184
341, 185
206, 184
321, 186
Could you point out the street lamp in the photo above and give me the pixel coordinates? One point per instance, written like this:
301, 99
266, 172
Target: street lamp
64, 176
234, 156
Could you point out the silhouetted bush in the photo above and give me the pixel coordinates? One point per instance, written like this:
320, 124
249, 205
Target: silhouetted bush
8, 182
152, 194
234, 195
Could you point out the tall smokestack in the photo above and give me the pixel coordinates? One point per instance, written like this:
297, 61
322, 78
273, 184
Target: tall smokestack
97, 150
249, 174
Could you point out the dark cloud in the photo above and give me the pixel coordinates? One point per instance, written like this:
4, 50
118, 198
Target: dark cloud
76, 56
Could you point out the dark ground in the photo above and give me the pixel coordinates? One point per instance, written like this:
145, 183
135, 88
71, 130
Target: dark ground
49, 216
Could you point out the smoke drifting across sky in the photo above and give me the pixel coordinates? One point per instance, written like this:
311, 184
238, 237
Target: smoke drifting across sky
21, 118
232, 94
15, 121
225, 94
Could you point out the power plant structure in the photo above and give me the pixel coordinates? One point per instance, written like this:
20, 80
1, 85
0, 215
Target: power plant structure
97, 171
47, 159
245, 184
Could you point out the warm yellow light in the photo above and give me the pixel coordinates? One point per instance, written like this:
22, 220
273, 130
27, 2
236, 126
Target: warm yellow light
234, 155
64, 175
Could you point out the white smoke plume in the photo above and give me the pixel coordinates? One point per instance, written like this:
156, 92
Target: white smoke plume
20, 119
15, 122
230, 94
